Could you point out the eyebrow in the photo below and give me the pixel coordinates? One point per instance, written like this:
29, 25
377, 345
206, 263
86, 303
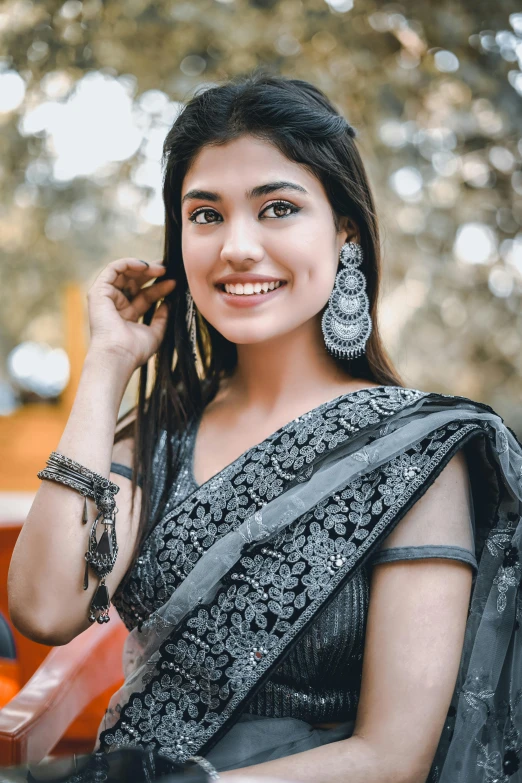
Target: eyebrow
259, 190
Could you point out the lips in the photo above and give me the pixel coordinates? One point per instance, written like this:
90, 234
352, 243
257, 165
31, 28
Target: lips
249, 277
273, 284
249, 300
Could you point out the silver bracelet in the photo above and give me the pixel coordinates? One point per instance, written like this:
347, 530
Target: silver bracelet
100, 555
209, 768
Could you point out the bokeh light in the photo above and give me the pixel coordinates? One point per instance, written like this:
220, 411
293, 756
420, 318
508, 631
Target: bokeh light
89, 91
38, 368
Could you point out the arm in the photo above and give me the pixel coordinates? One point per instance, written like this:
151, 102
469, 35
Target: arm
414, 637
47, 602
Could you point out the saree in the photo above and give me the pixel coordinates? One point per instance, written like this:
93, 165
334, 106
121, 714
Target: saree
258, 551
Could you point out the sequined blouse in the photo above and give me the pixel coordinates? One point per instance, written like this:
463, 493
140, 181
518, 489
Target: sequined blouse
320, 678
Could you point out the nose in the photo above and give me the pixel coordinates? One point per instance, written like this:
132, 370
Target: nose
241, 244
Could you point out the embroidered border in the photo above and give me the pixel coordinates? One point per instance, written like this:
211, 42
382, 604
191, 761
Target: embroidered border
256, 477
212, 638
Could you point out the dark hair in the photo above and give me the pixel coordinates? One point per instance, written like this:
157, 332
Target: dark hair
304, 125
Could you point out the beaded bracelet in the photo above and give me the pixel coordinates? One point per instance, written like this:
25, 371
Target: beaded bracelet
207, 766
100, 555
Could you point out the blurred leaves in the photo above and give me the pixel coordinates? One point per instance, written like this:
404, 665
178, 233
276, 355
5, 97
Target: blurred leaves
434, 91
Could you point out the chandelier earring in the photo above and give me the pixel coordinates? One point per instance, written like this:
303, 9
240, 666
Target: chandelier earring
191, 323
346, 322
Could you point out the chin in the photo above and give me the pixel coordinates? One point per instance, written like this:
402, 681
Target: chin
249, 334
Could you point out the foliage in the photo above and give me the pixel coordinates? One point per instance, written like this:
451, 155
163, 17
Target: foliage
434, 91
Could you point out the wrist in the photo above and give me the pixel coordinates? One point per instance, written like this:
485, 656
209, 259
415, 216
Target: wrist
109, 362
109, 374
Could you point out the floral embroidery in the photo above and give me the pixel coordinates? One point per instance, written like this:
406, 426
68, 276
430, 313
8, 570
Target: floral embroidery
498, 767
497, 540
199, 688
247, 648
507, 576
224, 502
502, 442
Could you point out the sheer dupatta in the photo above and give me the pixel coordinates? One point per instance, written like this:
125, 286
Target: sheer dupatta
257, 551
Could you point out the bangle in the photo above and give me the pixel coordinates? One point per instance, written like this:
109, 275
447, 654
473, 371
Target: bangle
209, 768
100, 555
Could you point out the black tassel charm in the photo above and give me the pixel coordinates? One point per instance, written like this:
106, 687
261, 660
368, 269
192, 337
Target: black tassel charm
101, 555
100, 604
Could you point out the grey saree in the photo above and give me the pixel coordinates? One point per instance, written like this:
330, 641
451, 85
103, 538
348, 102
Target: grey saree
242, 571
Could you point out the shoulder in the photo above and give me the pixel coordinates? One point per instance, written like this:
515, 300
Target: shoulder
453, 474
448, 493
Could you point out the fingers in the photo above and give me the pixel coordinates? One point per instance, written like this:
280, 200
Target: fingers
129, 282
145, 298
159, 322
122, 304
129, 288
118, 273
128, 275
151, 294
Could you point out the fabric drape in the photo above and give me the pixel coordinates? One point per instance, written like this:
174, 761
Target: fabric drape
319, 496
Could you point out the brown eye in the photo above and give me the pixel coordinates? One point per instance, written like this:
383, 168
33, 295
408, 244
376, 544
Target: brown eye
277, 206
205, 212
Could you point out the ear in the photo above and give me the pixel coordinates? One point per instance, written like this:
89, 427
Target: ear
350, 229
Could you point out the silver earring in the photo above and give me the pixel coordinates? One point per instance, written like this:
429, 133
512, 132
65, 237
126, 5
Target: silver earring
346, 322
191, 322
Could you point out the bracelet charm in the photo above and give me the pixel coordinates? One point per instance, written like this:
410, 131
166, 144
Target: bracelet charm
101, 554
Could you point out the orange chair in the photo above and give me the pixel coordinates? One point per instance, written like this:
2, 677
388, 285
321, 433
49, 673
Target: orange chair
61, 693
37, 718
9, 667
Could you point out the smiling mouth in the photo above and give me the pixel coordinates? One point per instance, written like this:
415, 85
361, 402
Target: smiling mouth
250, 289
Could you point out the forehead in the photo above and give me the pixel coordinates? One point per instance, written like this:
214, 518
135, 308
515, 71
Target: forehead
243, 163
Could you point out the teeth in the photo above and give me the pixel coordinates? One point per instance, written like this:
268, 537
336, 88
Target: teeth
247, 289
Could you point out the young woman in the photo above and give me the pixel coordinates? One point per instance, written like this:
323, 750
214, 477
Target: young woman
319, 567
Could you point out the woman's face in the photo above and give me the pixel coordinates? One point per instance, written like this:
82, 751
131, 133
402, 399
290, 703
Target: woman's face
240, 221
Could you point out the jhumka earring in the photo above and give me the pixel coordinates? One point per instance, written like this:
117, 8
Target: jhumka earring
191, 322
346, 322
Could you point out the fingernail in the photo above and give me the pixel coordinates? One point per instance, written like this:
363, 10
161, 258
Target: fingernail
143, 262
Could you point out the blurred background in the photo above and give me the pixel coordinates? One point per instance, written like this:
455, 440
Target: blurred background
88, 91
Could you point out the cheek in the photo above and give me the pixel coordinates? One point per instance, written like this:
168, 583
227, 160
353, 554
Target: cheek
197, 263
313, 260
316, 280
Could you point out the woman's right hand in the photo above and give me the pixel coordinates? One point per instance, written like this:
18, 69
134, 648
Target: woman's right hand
113, 316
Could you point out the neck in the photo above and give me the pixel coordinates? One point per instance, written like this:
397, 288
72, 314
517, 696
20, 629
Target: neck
275, 374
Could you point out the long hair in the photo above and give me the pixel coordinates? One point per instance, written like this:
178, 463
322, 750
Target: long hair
303, 124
